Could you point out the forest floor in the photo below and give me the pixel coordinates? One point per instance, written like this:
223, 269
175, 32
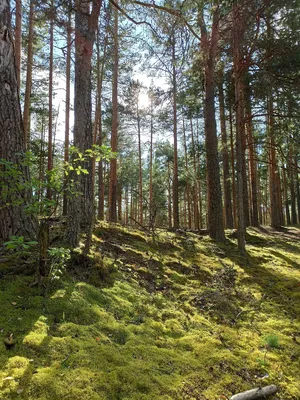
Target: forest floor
170, 317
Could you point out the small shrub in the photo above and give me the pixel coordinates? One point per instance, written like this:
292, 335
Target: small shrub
272, 341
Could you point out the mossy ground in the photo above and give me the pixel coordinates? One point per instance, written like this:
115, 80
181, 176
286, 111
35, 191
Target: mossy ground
170, 317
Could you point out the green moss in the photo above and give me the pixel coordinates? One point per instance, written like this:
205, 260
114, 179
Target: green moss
174, 323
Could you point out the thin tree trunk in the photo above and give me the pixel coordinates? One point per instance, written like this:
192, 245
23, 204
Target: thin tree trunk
50, 110
286, 198
239, 100
188, 195
18, 40
140, 167
175, 171
26, 113
67, 111
114, 129
195, 186
233, 178
226, 173
252, 161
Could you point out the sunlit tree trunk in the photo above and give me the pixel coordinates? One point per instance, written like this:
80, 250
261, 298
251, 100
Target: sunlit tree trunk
50, 110
18, 40
252, 157
187, 191
15, 193
81, 208
175, 169
195, 186
114, 129
67, 111
26, 113
226, 173
239, 101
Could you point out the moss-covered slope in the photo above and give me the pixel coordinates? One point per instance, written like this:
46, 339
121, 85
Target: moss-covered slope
170, 317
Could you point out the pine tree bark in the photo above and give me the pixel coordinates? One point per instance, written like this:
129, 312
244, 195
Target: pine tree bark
18, 40
252, 160
67, 111
114, 129
26, 113
226, 172
175, 168
50, 110
81, 208
215, 209
239, 101
15, 193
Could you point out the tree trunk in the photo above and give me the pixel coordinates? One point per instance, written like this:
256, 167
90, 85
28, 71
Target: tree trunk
239, 101
18, 40
67, 111
50, 111
188, 194
15, 193
114, 129
175, 171
226, 173
81, 208
215, 209
140, 166
26, 113
252, 161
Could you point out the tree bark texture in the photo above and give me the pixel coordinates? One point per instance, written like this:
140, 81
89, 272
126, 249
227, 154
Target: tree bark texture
114, 128
15, 192
225, 156
215, 209
26, 113
81, 208
18, 40
175, 170
240, 129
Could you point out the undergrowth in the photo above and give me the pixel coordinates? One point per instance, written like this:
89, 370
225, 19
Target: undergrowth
173, 318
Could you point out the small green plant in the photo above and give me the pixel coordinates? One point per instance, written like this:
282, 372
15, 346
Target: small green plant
19, 244
272, 341
59, 256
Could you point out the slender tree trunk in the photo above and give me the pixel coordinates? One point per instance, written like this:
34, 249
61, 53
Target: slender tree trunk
114, 129
188, 194
151, 205
140, 166
226, 173
215, 211
169, 197
273, 180
195, 186
50, 111
286, 198
239, 100
252, 160
15, 193
98, 115
232, 158
67, 111
26, 113
175, 172
18, 40
297, 187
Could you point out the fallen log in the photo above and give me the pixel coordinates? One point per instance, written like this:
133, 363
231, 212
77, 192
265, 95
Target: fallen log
254, 394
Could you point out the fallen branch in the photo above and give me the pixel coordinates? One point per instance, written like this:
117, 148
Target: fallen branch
254, 394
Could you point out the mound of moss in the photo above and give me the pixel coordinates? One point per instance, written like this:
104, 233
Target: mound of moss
170, 317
